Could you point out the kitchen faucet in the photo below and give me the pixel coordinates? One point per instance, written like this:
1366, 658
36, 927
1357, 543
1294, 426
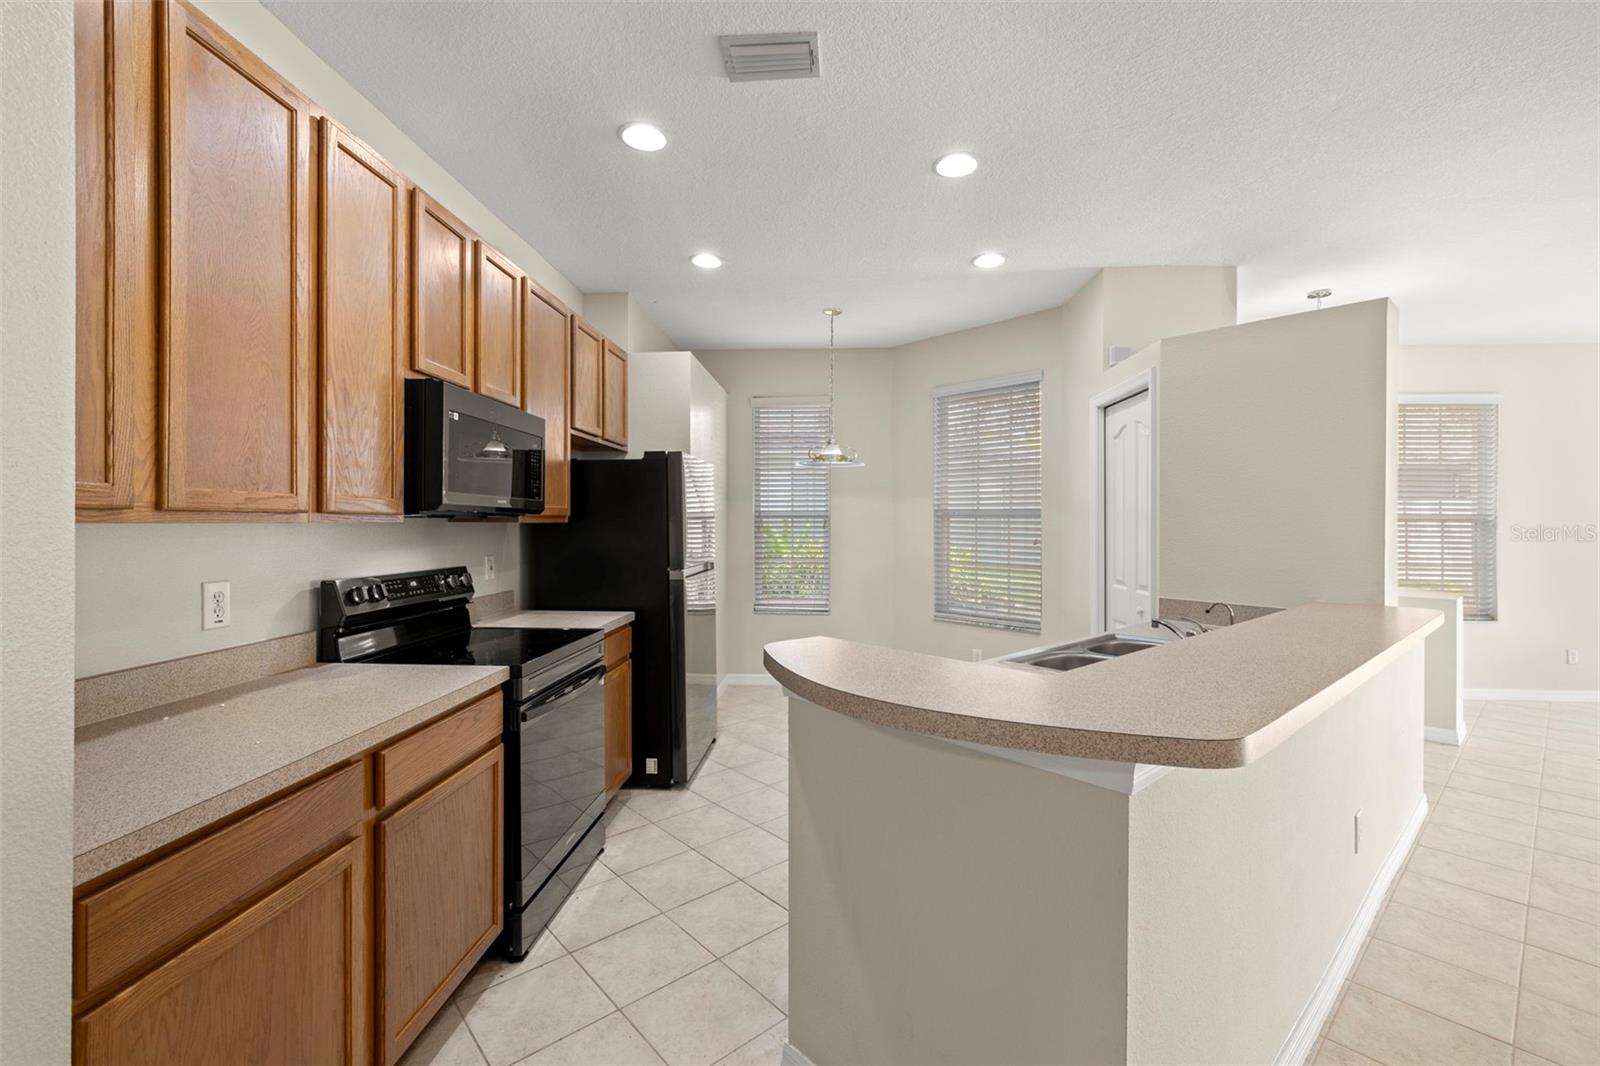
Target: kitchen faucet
1154, 622
1225, 606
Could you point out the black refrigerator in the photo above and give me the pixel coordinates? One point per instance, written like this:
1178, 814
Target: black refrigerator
638, 540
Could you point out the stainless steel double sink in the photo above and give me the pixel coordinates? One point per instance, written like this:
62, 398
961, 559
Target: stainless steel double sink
1081, 652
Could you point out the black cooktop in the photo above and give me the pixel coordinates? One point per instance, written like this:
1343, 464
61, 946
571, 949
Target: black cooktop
525, 651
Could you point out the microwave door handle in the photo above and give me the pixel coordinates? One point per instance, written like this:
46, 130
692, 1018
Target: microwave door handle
572, 691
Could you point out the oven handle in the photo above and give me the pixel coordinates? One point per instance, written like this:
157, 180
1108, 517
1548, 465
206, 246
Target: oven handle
571, 691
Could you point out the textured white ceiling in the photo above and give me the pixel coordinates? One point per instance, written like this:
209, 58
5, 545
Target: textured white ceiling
1446, 155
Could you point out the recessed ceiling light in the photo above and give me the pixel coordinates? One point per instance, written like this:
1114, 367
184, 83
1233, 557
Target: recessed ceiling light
988, 260
643, 136
706, 261
955, 165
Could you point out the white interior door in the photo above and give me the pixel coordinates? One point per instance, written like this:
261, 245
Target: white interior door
1128, 512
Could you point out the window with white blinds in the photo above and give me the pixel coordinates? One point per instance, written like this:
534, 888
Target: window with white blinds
699, 532
791, 507
987, 494
1446, 508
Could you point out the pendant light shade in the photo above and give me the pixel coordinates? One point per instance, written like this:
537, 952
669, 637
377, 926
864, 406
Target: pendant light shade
830, 455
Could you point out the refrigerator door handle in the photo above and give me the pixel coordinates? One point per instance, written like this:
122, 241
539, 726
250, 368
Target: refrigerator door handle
694, 570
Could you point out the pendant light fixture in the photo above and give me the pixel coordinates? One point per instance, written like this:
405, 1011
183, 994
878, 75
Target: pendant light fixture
830, 455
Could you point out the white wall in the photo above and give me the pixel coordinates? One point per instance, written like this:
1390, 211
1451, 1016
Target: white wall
1549, 475
261, 32
138, 594
708, 440
1276, 457
863, 582
37, 338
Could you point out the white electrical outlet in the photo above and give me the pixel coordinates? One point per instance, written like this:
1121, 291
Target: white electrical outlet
1572, 656
977, 654
488, 568
1358, 832
216, 604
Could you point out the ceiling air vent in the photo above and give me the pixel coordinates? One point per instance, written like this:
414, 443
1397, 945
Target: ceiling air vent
769, 56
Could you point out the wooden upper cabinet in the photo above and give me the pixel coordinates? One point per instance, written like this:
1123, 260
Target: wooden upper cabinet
284, 981
441, 293
110, 155
588, 387
499, 324
363, 326
546, 382
236, 359
615, 387
440, 885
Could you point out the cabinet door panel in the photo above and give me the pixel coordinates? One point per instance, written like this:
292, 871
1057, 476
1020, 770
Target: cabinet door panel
439, 896
363, 241
615, 380
110, 156
619, 725
499, 306
441, 293
546, 389
236, 361
283, 982
588, 368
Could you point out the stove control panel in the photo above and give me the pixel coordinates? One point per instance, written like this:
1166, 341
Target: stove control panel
354, 596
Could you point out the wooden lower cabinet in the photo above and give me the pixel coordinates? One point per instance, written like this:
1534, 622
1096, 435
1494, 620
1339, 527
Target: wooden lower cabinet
326, 926
439, 896
619, 724
283, 982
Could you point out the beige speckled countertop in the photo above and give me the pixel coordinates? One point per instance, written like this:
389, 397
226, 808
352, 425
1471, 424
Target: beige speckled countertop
606, 620
1219, 700
147, 778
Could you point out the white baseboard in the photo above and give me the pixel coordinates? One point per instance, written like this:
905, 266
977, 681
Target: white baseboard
1533, 695
1440, 735
749, 679
1302, 1038
792, 1057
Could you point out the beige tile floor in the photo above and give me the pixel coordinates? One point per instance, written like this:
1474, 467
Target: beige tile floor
1488, 947
675, 947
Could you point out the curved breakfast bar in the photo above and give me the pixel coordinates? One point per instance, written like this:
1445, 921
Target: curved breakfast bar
996, 862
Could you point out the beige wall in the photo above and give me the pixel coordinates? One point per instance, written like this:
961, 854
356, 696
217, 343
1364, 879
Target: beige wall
1243, 882
138, 590
1549, 475
622, 318
1067, 345
1276, 456
863, 564
37, 338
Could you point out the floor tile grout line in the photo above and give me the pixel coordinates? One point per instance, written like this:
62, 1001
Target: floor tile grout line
1406, 1002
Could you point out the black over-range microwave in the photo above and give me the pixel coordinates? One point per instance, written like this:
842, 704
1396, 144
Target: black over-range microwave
469, 455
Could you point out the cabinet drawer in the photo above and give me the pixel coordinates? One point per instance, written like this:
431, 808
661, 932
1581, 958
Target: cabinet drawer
407, 765
619, 645
130, 921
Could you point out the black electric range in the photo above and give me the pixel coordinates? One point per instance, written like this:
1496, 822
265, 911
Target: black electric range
555, 786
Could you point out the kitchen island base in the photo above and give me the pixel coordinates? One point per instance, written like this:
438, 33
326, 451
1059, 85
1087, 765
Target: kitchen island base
952, 906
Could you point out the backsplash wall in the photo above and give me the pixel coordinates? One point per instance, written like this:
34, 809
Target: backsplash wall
138, 587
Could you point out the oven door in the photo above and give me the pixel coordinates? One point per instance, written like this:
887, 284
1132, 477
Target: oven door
559, 734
